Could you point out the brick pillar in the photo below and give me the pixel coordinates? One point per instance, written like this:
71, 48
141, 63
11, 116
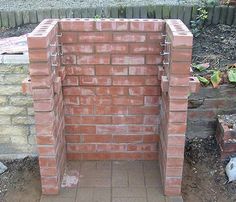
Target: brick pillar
48, 103
175, 91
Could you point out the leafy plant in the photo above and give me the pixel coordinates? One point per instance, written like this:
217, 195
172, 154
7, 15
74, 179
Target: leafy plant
201, 67
216, 78
232, 75
203, 80
198, 24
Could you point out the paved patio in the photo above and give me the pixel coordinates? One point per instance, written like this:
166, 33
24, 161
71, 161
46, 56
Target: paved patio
114, 181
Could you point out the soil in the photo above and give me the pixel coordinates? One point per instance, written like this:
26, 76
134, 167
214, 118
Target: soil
21, 181
204, 175
217, 46
229, 120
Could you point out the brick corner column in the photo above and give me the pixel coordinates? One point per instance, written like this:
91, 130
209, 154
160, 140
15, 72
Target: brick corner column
175, 91
48, 103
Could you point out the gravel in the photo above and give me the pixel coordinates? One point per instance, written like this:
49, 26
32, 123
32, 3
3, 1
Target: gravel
45, 4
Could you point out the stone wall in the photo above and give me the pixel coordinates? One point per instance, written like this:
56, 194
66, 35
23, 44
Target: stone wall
17, 132
205, 106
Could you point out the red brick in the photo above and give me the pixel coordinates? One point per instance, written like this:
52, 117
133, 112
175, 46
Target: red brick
151, 119
45, 140
127, 156
70, 129
44, 117
113, 90
129, 100
40, 68
97, 138
68, 59
80, 70
47, 161
150, 138
153, 59
98, 80
112, 25
144, 90
72, 110
111, 147
128, 81
127, 138
179, 117
127, 119
142, 147
77, 25
154, 37
98, 100
151, 100
38, 55
178, 105
93, 37
110, 129
78, 91
141, 48
129, 37
147, 25
78, 48
111, 48
93, 59
111, 110
72, 138
43, 105
127, 60
144, 110
71, 81
143, 70
46, 150
111, 70
69, 37
81, 147
88, 120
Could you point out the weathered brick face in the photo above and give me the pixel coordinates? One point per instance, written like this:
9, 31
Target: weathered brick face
111, 89
106, 90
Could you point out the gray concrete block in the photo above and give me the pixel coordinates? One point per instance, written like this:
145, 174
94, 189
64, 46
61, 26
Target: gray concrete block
4, 19
19, 18
12, 19
121, 12
62, 13
77, 13
26, 17
230, 17
181, 12
33, 16
143, 12
91, 12
54, 13
114, 12
223, 16
69, 13
129, 12
166, 11
187, 15
173, 12
136, 12
84, 13
216, 15
210, 11
158, 12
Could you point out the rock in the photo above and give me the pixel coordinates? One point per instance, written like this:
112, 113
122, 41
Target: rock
3, 168
231, 169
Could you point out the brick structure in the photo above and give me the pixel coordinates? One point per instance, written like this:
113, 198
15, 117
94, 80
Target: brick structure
226, 135
111, 75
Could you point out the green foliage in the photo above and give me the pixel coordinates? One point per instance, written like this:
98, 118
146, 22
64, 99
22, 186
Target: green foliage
203, 80
232, 75
201, 67
216, 78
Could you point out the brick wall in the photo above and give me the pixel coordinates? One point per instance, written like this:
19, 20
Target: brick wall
46, 75
96, 87
17, 131
111, 90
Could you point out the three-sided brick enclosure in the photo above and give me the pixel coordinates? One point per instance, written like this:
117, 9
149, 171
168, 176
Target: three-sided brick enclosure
110, 89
